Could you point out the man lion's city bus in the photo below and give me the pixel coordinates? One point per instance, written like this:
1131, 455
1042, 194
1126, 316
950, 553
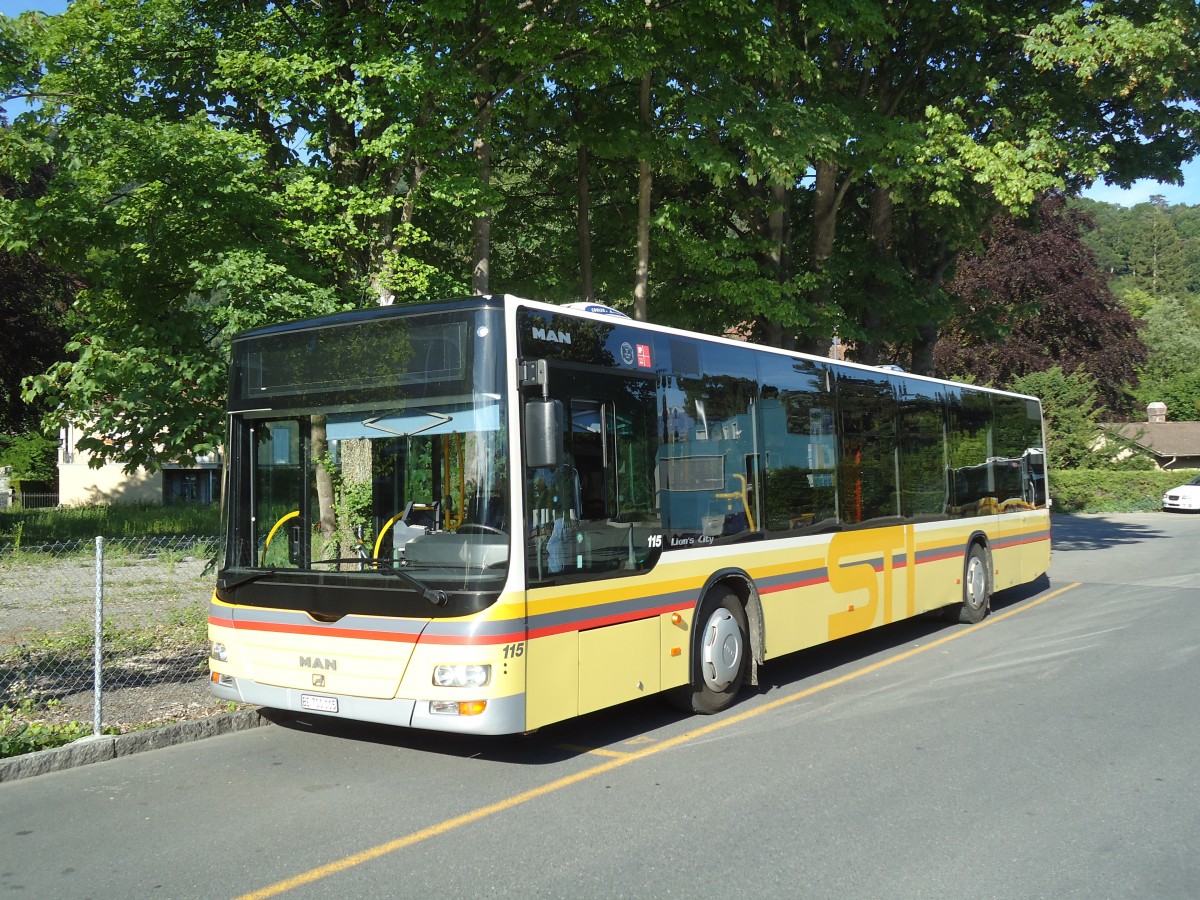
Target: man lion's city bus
493, 514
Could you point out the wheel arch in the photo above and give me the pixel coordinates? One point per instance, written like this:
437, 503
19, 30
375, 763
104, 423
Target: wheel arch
980, 538
740, 582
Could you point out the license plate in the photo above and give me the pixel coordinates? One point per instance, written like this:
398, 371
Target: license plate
320, 704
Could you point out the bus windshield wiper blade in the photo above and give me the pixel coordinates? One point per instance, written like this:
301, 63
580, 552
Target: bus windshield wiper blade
378, 564
246, 579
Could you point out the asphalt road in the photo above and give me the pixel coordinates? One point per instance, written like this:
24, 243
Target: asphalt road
1050, 752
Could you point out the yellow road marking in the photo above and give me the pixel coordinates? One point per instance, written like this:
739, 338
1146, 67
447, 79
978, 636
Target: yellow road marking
592, 751
619, 760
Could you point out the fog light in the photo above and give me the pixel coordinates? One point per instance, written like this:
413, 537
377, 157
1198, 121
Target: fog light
219, 652
462, 675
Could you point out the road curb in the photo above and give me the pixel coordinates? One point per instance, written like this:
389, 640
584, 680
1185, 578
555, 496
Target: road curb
98, 749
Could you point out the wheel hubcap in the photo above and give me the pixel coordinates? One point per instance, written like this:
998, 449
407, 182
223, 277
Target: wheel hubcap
976, 582
722, 650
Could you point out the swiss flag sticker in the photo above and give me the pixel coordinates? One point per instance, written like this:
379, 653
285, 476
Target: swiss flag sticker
643, 356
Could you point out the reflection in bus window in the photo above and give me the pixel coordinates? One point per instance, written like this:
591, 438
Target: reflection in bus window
868, 461
593, 516
796, 420
709, 460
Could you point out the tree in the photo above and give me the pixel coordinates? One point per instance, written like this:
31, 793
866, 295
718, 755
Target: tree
1034, 298
31, 456
34, 305
221, 165
815, 167
1170, 374
1071, 412
1151, 249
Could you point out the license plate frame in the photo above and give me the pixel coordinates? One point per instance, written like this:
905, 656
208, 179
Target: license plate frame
317, 703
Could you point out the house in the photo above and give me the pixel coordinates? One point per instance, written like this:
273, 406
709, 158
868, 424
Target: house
79, 484
1172, 445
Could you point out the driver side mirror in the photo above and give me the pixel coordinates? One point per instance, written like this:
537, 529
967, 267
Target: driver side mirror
544, 433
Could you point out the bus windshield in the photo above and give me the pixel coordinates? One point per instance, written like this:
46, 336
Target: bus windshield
395, 493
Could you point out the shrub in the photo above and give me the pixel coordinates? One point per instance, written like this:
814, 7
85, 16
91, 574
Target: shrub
22, 732
1106, 490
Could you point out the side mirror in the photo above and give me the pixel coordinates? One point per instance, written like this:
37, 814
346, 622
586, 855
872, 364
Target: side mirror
544, 433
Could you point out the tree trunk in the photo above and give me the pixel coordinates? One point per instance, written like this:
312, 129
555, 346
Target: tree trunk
870, 348
922, 349
328, 520
586, 289
481, 146
641, 285
481, 231
826, 200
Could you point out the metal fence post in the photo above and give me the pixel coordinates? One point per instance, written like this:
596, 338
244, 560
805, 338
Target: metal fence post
98, 649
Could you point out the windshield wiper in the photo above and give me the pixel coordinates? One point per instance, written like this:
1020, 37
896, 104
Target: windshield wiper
225, 585
433, 595
378, 564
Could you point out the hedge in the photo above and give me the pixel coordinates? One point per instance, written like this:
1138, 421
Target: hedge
1104, 490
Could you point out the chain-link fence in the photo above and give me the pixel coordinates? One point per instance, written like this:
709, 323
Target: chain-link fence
106, 631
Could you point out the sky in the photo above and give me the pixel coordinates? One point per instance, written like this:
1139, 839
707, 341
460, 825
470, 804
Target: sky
1141, 191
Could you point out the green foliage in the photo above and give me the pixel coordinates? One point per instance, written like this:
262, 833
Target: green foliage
33, 457
119, 520
1152, 250
1103, 490
21, 731
1170, 374
1071, 415
212, 165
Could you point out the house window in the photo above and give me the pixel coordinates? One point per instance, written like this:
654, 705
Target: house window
191, 486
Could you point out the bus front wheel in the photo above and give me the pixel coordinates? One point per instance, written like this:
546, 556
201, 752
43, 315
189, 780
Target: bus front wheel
719, 651
977, 589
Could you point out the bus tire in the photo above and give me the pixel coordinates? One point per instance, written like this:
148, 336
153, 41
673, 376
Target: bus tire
720, 649
977, 588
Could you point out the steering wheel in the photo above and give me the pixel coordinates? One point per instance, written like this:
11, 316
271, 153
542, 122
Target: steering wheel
477, 526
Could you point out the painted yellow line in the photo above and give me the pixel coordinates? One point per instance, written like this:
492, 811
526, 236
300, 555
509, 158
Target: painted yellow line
621, 759
593, 751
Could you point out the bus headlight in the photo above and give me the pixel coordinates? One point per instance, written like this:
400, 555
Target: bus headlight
218, 652
462, 675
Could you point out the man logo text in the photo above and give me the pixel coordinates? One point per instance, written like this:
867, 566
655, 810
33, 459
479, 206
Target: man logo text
315, 662
549, 334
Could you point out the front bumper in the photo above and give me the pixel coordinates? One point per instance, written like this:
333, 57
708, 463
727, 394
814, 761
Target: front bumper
503, 715
1180, 503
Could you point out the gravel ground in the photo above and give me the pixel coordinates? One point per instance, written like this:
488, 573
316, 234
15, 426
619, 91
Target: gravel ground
155, 606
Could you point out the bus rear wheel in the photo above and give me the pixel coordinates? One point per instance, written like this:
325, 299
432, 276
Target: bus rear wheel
977, 589
719, 652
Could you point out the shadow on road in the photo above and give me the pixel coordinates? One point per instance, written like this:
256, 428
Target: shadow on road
623, 725
1098, 532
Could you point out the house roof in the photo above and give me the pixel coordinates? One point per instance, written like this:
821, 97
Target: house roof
1162, 438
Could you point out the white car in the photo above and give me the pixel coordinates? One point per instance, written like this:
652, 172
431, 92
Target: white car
1185, 498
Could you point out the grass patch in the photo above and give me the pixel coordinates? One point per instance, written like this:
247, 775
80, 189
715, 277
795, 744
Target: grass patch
32, 526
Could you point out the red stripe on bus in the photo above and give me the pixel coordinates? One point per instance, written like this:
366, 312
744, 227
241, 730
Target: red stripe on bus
367, 634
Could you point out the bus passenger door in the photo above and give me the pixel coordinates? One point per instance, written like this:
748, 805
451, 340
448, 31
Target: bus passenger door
590, 521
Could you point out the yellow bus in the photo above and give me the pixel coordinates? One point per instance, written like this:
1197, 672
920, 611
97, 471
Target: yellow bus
492, 514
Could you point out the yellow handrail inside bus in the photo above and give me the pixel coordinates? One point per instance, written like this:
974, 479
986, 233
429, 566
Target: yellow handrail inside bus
382, 531
293, 514
451, 519
743, 495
